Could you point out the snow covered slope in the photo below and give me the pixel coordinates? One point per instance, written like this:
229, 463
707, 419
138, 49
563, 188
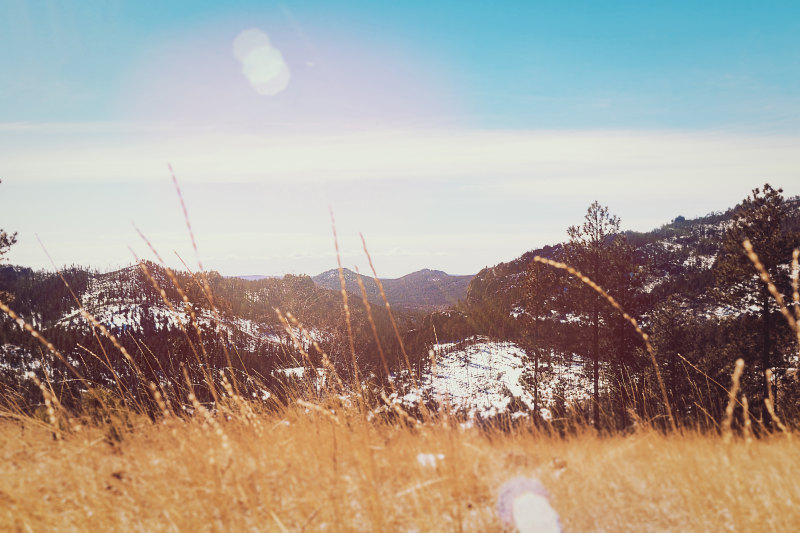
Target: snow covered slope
483, 378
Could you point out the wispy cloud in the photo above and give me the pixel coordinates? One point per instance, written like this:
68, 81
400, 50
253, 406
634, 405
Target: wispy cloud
456, 200
515, 161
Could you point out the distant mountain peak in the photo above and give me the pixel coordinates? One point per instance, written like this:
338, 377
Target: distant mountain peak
425, 289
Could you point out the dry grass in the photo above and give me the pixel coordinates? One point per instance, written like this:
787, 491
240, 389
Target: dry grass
296, 470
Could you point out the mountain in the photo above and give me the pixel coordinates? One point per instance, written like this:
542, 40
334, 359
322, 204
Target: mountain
425, 290
164, 330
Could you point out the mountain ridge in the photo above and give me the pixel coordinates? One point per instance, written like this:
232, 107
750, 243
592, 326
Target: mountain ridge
432, 308
423, 290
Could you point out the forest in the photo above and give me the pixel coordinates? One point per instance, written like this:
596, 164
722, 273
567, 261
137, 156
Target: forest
689, 284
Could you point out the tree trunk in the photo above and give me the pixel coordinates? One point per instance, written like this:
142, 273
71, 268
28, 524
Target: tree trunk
536, 369
765, 359
596, 343
623, 397
673, 397
595, 361
536, 383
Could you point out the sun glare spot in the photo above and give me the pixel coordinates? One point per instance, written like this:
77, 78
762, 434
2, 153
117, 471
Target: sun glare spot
262, 64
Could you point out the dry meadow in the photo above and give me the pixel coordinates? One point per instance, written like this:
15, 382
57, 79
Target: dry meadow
301, 469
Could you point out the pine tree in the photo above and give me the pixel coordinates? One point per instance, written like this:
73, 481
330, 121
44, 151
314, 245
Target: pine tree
761, 218
598, 250
671, 335
539, 289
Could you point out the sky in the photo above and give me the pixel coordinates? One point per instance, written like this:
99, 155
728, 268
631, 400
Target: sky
453, 135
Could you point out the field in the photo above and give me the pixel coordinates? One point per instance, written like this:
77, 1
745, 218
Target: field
307, 469
327, 460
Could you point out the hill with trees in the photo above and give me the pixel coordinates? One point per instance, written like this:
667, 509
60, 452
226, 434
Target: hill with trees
425, 290
690, 285
535, 335
238, 327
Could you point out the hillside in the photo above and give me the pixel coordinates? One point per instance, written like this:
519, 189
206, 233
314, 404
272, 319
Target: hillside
425, 290
670, 283
676, 260
161, 332
501, 341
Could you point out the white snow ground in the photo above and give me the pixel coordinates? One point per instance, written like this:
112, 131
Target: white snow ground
482, 377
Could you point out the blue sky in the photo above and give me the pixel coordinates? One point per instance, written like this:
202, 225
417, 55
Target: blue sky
453, 134
517, 64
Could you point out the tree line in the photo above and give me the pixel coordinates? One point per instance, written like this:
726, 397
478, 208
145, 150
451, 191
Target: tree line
700, 317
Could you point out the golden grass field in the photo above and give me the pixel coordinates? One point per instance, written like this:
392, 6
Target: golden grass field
296, 469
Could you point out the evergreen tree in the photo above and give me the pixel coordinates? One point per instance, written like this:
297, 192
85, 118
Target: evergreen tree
671, 335
761, 218
540, 286
600, 251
